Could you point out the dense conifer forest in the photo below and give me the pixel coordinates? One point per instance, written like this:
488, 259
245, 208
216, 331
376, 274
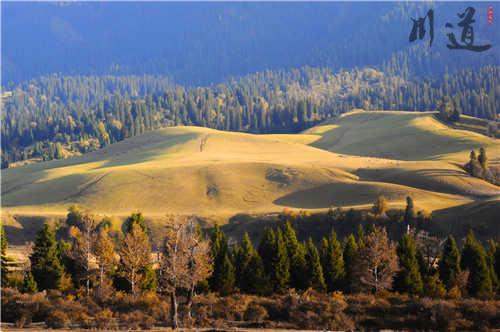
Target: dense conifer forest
54, 116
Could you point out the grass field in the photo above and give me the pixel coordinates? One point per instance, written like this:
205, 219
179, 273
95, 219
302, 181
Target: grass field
215, 174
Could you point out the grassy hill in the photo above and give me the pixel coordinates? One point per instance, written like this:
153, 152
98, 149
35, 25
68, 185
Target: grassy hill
215, 174
398, 135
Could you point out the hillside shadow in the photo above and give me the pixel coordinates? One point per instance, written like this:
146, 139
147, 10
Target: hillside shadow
326, 195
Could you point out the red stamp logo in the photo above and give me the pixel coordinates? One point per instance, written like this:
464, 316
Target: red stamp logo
490, 15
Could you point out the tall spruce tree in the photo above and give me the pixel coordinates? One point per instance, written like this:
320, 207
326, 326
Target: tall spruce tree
250, 274
46, 266
449, 264
281, 273
273, 251
223, 275
4, 259
474, 260
350, 256
315, 276
296, 254
332, 260
408, 278
409, 211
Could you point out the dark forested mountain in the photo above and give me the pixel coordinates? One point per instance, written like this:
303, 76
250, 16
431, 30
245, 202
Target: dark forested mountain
80, 75
207, 43
54, 116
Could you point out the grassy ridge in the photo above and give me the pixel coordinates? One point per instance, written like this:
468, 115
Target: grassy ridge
347, 162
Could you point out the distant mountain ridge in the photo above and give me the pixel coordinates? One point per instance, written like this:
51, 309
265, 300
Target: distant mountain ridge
206, 43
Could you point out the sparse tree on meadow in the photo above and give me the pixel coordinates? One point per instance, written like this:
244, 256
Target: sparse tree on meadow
379, 206
483, 158
410, 213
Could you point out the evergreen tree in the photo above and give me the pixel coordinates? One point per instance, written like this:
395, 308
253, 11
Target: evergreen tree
350, 256
482, 158
332, 260
273, 251
281, 264
244, 253
29, 283
266, 250
449, 264
228, 279
4, 259
223, 275
45, 260
361, 237
409, 211
314, 269
135, 218
296, 254
408, 278
474, 260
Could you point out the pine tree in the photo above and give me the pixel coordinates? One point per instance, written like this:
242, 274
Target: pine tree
4, 259
332, 260
474, 260
244, 253
45, 260
314, 269
409, 211
482, 158
266, 250
29, 283
350, 255
296, 254
408, 278
223, 276
135, 218
449, 264
273, 251
281, 264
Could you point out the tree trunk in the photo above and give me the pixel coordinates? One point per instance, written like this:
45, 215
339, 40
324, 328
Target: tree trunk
190, 304
173, 309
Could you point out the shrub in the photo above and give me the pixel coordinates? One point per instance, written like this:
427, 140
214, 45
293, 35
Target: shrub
104, 320
57, 319
255, 313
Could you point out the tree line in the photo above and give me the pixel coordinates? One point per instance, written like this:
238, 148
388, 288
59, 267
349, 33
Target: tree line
56, 116
96, 261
